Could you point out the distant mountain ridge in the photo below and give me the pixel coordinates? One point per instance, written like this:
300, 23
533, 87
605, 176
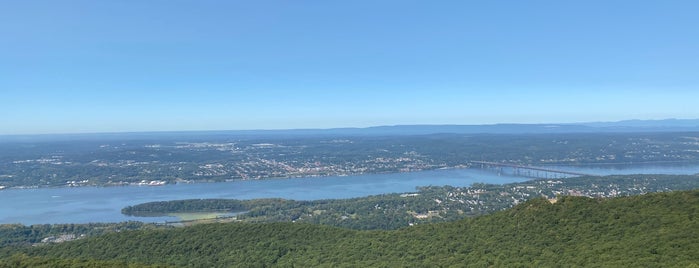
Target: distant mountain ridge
668, 123
665, 125
626, 126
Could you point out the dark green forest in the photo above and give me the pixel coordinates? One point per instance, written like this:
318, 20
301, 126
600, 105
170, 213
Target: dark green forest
23, 235
650, 230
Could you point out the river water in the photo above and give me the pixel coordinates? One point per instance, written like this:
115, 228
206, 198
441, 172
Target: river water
103, 204
621, 169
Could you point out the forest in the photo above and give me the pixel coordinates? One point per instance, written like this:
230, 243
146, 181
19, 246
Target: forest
22, 235
650, 230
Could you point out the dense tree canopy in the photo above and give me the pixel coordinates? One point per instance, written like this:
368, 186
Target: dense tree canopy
658, 229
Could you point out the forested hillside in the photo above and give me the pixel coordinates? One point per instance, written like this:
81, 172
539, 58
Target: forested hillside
658, 229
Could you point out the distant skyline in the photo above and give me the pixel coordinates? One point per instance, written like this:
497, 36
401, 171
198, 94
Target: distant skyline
125, 66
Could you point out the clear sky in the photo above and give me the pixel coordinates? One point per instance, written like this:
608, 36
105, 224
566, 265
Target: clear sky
124, 65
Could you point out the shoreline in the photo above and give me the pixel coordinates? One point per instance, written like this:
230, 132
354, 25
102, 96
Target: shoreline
182, 181
157, 183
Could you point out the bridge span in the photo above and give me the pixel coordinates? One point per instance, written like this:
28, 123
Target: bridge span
519, 170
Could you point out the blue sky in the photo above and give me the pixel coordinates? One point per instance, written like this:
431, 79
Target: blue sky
111, 66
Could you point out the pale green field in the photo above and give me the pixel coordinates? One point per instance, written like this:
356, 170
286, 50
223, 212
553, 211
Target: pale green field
189, 216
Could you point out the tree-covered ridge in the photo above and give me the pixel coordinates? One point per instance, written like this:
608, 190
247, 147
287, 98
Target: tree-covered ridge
650, 230
22, 235
24, 261
428, 205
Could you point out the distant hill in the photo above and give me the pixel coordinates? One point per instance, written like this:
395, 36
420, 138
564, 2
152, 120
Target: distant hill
665, 124
628, 126
650, 230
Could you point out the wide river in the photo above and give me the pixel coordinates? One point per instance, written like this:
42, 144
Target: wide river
103, 204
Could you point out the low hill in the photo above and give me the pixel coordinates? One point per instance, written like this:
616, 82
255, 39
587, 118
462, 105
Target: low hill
658, 229
625, 126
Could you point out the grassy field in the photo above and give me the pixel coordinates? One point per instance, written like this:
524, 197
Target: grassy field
191, 216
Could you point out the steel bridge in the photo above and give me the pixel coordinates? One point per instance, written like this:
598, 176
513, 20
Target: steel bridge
531, 171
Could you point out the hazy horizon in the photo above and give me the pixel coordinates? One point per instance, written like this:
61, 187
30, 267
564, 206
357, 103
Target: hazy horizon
113, 66
588, 124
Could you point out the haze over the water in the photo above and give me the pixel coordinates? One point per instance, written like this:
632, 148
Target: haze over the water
124, 66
